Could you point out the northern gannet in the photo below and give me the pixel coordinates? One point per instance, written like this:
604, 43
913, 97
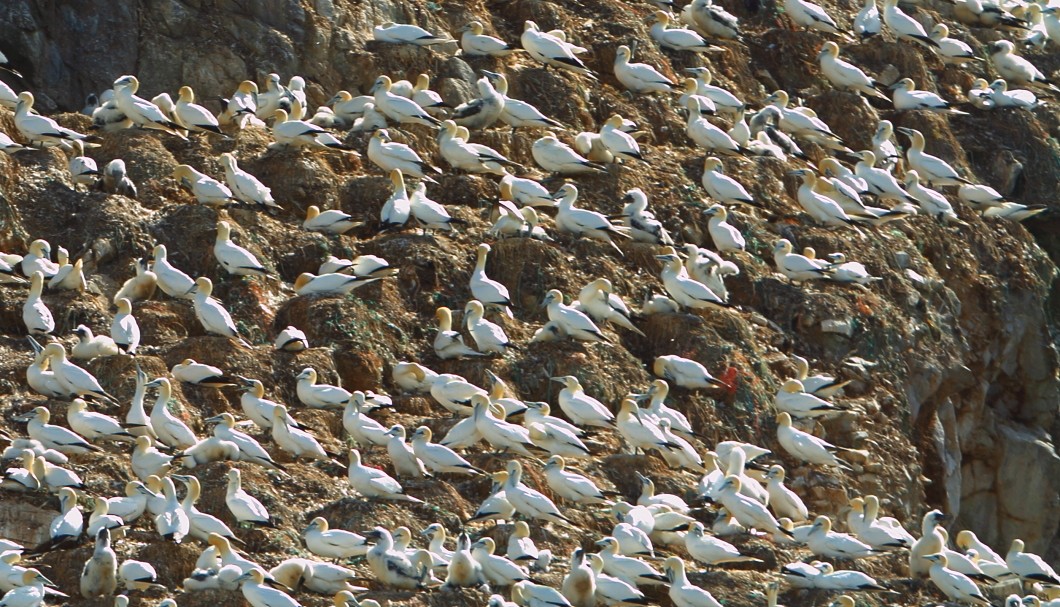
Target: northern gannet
250, 450
579, 407
124, 329
685, 290
291, 339
211, 313
91, 346
201, 524
272, 99
116, 179
639, 432
328, 284
639, 77
258, 594
724, 101
933, 169
465, 156
845, 75
30, 591
449, 343
333, 543
1027, 565
392, 566
571, 486
402, 457
906, 97
492, 428
72, 378
348, 108
288, 131
99, 576
363, 429
551, 50
782, 500
705, 134
331, 221
170, 429
1014, 68
405, 33
242, 106
137, 575
1020, 98
496, 506
398, 208
677, 38
374, 483
172, 522
685, 373
529, 502
617, 141
245, 507
932, 203
867, 22
521, 548
904, 26
438, 457
9, 147
498, 570
388, 155
710, 550
147, 461
793, 399
822, 541
245, 186
95, 426
721, 187
602, 305
643, 225
518, 113
682, 592
35, 313
1014, 211
70, 277
193, 117
951, 50
294, 440
821, 207
483, 111
712, 20
879, 181
748, 511
399, 109
585, 222
724, 235
805, 446
810, 16
464, 571
38, 259
234, 258
142, 112
845, 579
795, 266
141, 286
168, 277
957, 586
40, 131
579, 585
980, 95
430, 214
83, 170
574, 323
475, 43
489, 337
206, 189
555, 156
255, 406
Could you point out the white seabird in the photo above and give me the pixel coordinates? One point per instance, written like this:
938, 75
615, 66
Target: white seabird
580, 222
328, 284
405, 33
244, 507
579, 407
810, 16
867, 23
933, 169
398, 208
1020, 98
573, 322
951, 50
845, 75
795, 266
724, 235
643, 225
721, 187
142, 112
333, 543
518, 113
1014, 68
805, 446
682, 592
931, 202
206, 189
557, 157
685, 290
123, 329
397, 108
705, 134
551, 50
168, 277
529, 502
40, 131
438, 457
35, 313
211, 313
957, 586
483, 111
193, 117
95, 426
475, 43
234, 258
191, 372
71, 377
294, 440
639, 77
245, 186
374, 483
388, 155
677, 38
792, 399
906, 97
449, 343
170, 429
904, 26
710, 550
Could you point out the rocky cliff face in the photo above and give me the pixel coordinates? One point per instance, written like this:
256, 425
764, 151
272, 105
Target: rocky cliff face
952, 352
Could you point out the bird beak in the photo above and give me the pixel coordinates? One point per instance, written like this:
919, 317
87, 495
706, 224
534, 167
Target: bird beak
193, 289
214, 419
559, 380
